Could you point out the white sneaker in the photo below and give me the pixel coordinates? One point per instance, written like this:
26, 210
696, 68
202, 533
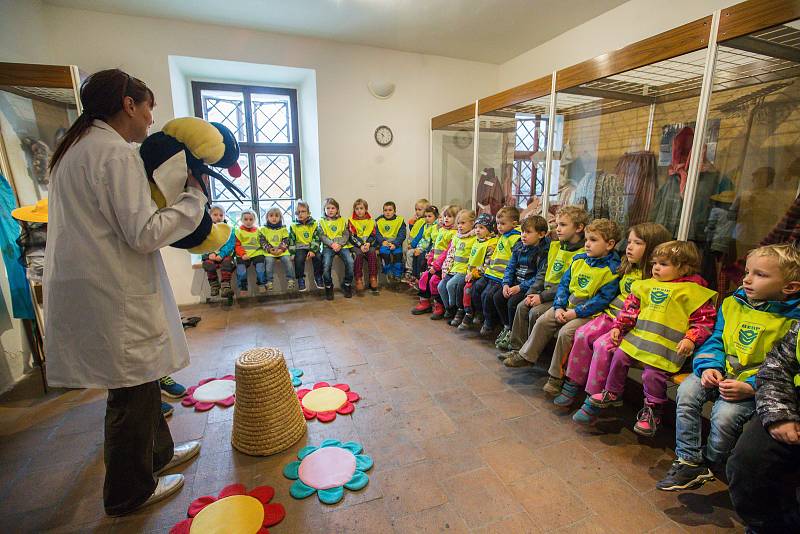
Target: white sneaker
183, 453
167, 485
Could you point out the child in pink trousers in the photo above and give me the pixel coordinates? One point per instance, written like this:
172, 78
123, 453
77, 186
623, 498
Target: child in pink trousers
592, 349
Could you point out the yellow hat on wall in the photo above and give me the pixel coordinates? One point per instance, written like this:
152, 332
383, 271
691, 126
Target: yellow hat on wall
37, 213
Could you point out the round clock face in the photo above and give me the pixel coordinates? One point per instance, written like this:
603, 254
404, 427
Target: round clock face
383, 135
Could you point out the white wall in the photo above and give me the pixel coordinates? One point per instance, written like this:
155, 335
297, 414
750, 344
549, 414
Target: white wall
351, 163
626, 24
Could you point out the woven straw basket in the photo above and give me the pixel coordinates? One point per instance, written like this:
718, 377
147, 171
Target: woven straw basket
267, 417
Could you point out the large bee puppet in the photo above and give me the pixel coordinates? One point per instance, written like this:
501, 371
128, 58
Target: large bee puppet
192, 145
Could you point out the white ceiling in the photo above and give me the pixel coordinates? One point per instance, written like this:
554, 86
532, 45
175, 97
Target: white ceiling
492, 31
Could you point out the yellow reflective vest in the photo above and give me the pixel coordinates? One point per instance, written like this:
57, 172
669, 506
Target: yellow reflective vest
558, 261
462, 246
304, 233
797, 355
477, 255
747, 336
665, 308
585, 281
443, 238
389, 228
250, 242
364, 227
333, 228
415, 228
502, 254
274, 238
625, 285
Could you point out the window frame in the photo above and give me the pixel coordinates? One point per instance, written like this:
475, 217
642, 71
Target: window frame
250, 147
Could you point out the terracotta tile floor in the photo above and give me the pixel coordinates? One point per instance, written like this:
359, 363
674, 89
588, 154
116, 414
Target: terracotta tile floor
460, 443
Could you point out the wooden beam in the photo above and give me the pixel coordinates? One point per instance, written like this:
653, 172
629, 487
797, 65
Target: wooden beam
681, 40
753, 15
766, 48
54, 76
516, 95
451, 117
610, 95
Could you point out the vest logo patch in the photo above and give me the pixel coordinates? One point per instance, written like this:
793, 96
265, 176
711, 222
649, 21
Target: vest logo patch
658, 296
333, 228
501, 246
558, 265
386, 227
305, 234
628, 284
748, 333
583, 281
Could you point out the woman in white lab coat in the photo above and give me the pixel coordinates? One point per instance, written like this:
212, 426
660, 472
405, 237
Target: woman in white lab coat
110, 316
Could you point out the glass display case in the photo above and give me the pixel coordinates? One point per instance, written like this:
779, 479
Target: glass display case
38, 103
622, 143
512, 150
452, 157
754, 110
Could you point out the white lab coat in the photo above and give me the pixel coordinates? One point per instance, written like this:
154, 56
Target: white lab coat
110, 316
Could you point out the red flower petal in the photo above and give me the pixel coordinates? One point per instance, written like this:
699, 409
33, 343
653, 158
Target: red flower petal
321, 385
190, 390
227, 401
203, 406
181, 528
263, 493
200, 503
302, 393
228, 377
233, 489
188, 401
309, 414
273, 514
343, 387
326, 417
346, 408
205, 381
352, 396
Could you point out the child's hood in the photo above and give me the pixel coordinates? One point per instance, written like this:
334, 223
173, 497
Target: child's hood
788, 308
276, 226
695, 278
572, 247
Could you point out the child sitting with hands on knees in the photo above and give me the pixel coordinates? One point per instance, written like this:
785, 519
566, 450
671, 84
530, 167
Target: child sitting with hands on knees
304, 244
335, 237
249, 250
221, 260
417, 226
274, 240
391, 232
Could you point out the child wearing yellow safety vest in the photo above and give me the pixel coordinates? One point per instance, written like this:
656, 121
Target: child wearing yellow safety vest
335, 237
274, 239
429, 299
304, 244
451, 287
363, 237
416, 229
391, 233
249, 250
660, 324
479, 259
585, 290
590, 357
748, 325
765, 464
221, 260
492, 280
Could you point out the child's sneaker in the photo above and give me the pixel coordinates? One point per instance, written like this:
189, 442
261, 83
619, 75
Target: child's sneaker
477, 321
503, 355
684, 475
291, 285
329, 293
466, 322
605, 399
569, 390
647, 420
449, 313
170, 388
516, 360
587, 414
553, 385
504, 333
347, 289
215, 285
319, 282
269, 287
301, 284
166, 409
227, 290
486, 330
423, 307
505, 343
438, 311
459, 316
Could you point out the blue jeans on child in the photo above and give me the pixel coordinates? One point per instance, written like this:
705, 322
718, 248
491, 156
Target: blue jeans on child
392, 261
241, 271
451, 289
727, 421
287, 266
327, 264
300, 264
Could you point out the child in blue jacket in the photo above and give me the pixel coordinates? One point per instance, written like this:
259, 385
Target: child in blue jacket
749, 323
221, 260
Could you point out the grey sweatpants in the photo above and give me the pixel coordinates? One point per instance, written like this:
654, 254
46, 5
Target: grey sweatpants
524, 319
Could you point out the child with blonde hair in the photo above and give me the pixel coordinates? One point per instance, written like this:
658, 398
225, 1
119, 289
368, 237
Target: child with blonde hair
451, 288
660, 324
429, 299
221, 260
592, 349
749, 324
335, 237
363, 237
274, 239
416, 231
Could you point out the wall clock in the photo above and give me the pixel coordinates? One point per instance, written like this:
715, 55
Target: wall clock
383, 135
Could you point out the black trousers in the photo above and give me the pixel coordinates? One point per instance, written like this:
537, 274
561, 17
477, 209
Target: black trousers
762, 474
137, 444
506, 308
300, 263
487, 294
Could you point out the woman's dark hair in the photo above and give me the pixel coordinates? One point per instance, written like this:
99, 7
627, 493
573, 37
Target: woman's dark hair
102, 94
